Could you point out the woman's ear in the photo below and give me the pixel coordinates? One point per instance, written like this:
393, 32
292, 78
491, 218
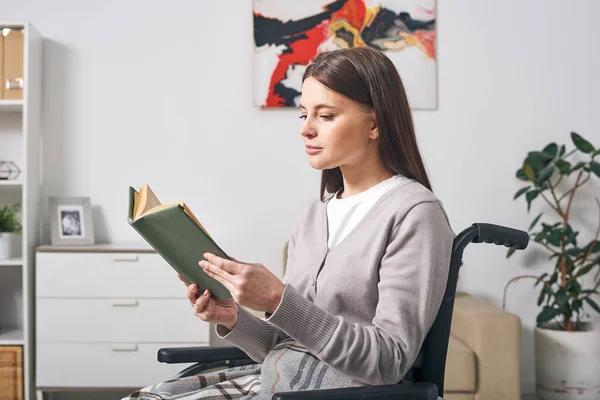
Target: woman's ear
374, 130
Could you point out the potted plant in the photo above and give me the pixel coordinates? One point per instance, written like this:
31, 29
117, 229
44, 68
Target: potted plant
567, 342
10, 227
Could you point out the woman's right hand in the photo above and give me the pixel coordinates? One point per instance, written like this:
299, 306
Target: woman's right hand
223, 312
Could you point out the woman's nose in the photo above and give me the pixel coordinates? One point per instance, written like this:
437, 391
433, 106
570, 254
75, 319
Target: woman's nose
307, 129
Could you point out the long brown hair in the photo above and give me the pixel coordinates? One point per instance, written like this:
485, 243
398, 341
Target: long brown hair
369, 77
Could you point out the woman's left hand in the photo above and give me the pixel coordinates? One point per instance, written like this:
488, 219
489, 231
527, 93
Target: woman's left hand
251, 285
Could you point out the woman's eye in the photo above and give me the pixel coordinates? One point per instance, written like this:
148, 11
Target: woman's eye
302, 117
326, 117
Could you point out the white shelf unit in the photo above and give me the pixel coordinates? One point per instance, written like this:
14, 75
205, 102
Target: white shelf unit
21, 142
11, 106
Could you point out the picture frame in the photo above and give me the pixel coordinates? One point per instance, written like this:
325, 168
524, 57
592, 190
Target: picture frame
71, 221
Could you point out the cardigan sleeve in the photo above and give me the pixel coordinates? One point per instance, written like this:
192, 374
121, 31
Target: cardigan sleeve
412, 279
254, 335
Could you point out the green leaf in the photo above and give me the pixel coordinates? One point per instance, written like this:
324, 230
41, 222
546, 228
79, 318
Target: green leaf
530, 196
551, 149
595, 167
510, 252
574, 287
563, 166
520, 192
553, 278
541, 297
571, 238
547, 314
9, 218
596, 247
592, 304
520, 175
574, 251
535, 221
581, 143
540, 279
545, 174
577, 166
540, 156
554, 237
589, 291
585, 269
562, 150
528, 171
562, 299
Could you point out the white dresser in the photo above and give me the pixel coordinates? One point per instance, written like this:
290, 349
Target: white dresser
102, 313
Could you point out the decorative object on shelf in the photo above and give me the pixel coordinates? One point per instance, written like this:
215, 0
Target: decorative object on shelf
288, 37
9, 170
567, 341
10, 228
71, 221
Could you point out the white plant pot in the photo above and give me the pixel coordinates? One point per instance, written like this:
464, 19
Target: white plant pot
567, 364
8, 245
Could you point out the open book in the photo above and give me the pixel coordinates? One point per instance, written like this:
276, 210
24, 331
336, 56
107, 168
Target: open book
177, 235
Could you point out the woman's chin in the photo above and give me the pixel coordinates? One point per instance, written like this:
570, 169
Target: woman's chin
315, 164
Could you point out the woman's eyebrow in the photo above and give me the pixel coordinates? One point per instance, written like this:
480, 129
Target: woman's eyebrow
321, 105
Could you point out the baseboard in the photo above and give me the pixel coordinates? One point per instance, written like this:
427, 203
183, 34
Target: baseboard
528, 387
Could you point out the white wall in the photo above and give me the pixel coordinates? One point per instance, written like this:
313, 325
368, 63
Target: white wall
161, 92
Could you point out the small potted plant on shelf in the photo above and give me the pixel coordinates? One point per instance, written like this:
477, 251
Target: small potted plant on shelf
10, 227
567, 342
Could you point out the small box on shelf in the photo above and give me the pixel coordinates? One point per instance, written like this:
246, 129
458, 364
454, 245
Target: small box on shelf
11, 63
11, 372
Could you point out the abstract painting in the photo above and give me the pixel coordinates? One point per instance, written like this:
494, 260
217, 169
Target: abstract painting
288, 35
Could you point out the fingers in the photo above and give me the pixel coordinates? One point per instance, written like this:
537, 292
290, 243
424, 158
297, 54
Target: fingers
224, 281
183, 280
192, 293
223, 264
201, 302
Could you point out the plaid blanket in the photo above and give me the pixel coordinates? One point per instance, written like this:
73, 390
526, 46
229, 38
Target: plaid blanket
288, 367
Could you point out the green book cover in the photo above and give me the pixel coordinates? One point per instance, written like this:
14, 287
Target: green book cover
174, 235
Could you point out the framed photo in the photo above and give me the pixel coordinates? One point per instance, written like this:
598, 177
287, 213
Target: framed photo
71, 221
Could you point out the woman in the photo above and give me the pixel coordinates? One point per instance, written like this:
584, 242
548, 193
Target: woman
367, 262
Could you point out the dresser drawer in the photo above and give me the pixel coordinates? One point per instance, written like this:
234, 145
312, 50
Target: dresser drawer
119, 320
131, 275
102, 365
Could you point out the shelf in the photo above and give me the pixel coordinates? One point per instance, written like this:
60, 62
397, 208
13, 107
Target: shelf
4, 182
11, 337
11, 106
11, 262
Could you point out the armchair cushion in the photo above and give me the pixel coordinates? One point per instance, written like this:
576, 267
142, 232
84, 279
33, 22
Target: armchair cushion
460, 367
494, 337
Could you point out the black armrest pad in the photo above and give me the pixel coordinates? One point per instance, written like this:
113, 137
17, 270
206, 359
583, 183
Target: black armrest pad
402, 391
177, 355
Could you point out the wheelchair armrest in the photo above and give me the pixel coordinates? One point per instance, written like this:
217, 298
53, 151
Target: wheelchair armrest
400, 391
178, 355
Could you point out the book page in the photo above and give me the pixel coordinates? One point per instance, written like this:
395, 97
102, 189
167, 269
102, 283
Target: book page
148, 201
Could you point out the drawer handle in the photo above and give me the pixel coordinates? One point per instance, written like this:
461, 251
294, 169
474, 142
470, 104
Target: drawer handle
124, 347
125, 303
133, 257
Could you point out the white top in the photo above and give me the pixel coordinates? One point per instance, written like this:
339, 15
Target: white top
344, 214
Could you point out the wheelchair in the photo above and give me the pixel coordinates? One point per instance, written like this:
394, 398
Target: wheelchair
429, 367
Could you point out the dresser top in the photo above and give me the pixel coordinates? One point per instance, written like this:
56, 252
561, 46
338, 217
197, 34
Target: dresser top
98, 248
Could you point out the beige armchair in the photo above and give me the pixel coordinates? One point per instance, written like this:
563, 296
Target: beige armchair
484, 353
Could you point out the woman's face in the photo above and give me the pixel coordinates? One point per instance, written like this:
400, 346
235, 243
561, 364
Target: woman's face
337, 131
